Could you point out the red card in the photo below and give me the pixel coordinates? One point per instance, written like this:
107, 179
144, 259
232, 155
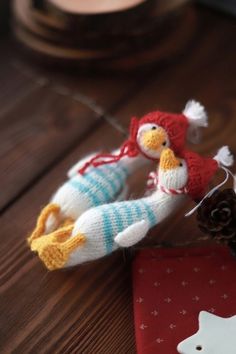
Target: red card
171, 287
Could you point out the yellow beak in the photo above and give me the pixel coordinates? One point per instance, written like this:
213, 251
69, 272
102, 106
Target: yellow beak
153, 139
168, 161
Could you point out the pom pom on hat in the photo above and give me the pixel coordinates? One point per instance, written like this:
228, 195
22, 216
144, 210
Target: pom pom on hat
196, 114
224, 157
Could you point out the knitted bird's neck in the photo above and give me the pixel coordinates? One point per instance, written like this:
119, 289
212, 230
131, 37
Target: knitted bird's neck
164, 195
133, 164
163, 204
154, 183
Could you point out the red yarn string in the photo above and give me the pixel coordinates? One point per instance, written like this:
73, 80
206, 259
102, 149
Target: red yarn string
129, 148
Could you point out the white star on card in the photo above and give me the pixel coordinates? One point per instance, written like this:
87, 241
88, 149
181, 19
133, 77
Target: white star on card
154, 313
169, 270
216, 335
196, 269
142, 326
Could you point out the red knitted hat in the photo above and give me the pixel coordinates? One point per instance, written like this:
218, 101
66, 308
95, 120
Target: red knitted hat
175, 125
201, 170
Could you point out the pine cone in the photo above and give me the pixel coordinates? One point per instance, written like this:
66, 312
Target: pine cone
217, 217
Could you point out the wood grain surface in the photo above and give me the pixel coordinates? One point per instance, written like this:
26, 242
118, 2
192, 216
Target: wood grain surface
49, 120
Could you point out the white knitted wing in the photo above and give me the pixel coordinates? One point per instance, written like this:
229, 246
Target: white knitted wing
132, 234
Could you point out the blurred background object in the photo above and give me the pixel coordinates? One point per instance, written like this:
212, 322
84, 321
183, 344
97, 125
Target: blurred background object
124, 34
4, 16
225, 5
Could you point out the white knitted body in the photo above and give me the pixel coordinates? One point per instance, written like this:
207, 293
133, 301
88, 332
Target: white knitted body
102, 224
99, 185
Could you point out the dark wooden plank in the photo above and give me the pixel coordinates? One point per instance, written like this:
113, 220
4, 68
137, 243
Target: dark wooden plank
34, 134
14, 84
4, 17
74, 311
43, 115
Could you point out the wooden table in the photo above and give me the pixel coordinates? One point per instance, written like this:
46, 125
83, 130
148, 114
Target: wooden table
47, 122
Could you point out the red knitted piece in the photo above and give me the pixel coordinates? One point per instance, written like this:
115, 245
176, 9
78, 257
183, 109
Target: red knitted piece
171, 287
200, 170
175, 125
129, 148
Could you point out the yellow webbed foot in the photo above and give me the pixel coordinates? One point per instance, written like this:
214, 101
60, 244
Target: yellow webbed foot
42, 219
53, 253
53, 256
58, 236
68, 221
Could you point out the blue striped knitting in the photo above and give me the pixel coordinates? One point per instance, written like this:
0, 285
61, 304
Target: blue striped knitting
101, 224
101, 184
116, 217
130, 220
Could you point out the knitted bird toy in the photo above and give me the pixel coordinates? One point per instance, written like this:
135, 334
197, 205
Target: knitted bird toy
103, 229
101, 178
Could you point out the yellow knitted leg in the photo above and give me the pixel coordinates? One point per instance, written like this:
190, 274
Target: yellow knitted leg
58, 236
68, 221
55, 255
73, 242
42, 219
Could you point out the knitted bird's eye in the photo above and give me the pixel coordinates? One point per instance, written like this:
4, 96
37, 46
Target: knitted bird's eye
154, 127
164, 144
180, 164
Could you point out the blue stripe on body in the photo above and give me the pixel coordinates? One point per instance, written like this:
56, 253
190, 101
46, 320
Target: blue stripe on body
117, 167
119, 172
123, 216
128, 216
150, 214
120, 216
138, 210
94, 199
107, 229
93, 182
105, 176
117, 217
